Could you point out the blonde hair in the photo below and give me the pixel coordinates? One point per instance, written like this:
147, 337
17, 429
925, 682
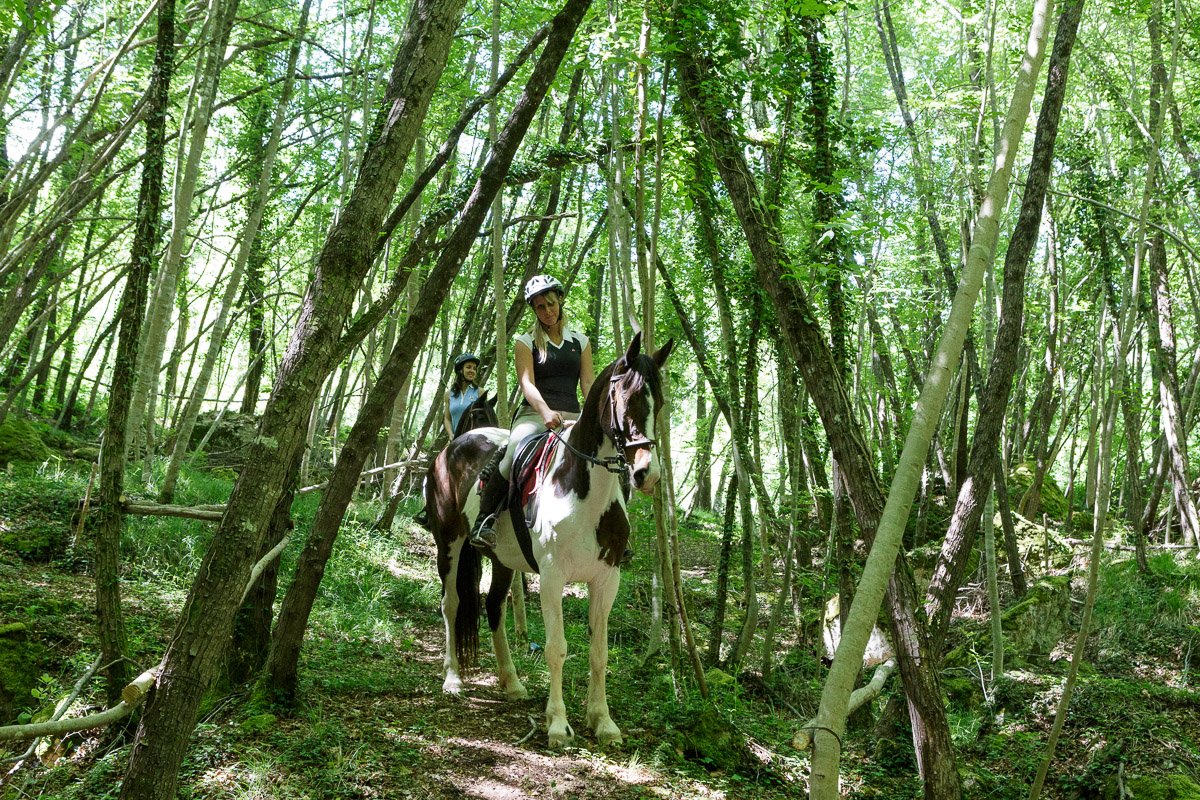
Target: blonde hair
539, 333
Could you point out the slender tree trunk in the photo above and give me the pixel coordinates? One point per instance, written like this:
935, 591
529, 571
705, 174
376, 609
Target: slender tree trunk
1104, 487
252, 625
931, 732
1162, 328
253, 300
109, 517
717, 627
247, 239
1012, 550
956, 548
222, 13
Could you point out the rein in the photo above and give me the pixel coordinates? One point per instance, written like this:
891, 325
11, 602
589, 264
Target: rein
614, 464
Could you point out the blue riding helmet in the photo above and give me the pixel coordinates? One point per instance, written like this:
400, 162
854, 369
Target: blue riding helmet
463, 359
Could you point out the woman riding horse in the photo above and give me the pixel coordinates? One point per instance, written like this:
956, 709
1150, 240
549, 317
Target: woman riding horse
552, 359
462, 393
573, 530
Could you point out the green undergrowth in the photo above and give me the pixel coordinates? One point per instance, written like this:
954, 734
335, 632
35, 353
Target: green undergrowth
371, 719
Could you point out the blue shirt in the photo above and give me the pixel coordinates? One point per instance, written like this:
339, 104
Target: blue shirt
460, 403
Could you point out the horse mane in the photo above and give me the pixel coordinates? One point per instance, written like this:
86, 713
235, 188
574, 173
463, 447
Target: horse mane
466, 421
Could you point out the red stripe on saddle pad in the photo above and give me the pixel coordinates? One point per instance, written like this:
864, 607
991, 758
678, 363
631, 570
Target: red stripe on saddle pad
542, 460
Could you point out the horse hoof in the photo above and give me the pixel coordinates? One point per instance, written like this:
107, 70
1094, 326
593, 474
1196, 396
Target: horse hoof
560, 736
517, 692
609, 735
452, 685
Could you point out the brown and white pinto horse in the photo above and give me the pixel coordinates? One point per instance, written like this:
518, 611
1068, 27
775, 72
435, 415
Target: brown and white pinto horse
577, 531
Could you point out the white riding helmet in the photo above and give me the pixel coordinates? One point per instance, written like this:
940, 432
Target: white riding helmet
540, 284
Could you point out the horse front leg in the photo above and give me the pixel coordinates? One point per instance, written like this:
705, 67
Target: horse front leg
451, 679
558, 729
506, 671
601, 594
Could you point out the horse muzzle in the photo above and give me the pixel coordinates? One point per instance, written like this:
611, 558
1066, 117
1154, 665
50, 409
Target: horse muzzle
643, 469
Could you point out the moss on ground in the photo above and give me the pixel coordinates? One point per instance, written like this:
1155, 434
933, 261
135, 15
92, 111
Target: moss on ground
20, 442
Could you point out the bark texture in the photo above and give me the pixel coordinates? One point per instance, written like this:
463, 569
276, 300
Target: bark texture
133, 305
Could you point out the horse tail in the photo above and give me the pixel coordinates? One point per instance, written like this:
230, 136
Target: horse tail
466, 618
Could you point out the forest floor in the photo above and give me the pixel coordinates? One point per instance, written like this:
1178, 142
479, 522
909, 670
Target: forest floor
373, 722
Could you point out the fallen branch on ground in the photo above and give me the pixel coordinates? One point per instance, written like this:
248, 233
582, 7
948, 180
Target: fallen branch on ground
58, 727
205, 513
413, 462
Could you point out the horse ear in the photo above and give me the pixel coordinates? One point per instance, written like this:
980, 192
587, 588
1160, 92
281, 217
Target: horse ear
494, 400
660, 357
635, 347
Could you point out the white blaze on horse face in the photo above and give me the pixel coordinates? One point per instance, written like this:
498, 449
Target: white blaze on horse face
644, 466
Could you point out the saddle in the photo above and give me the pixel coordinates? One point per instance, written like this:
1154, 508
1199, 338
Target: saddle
530, 462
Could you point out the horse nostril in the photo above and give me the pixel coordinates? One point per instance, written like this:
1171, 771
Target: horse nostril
645, 480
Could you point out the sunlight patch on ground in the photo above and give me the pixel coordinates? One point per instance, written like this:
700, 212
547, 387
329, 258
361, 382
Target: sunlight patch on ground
244, 783
407, 571
521, 773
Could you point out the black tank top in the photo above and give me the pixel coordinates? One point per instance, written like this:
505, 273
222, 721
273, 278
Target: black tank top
557, 376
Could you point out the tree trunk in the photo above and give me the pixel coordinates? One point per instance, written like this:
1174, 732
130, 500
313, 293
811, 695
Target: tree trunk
246, 243
222, 13
1012, 550
956, 549
1162, 328
109, 518
717, 627
931, 732
252, 625
1107, 422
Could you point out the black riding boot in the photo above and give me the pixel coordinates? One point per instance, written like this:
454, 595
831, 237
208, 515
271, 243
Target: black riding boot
492, 500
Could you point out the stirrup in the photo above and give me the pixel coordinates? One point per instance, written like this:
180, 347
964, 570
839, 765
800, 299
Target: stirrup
484, 534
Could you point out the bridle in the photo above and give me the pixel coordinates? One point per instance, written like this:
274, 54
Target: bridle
621, 437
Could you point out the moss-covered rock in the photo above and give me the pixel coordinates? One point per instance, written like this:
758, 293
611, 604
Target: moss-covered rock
963, 691
22, 660
1153, 787
710, 739
1052, 503
229, 446
722, 686
258, 724
20, 442
1035, 625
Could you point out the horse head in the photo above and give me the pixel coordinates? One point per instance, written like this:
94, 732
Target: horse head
631, 407
480, 414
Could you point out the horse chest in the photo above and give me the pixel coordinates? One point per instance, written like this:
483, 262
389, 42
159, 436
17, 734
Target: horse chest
576, 535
